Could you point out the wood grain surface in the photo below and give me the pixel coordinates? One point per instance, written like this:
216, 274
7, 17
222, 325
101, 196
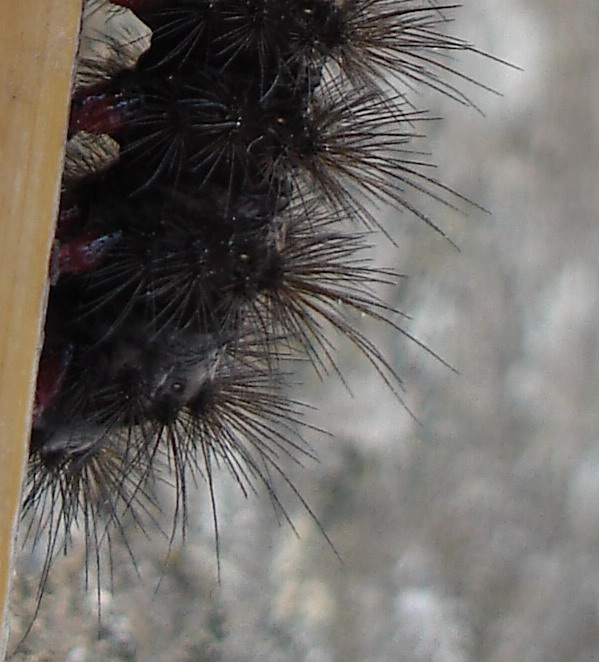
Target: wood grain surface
37, 49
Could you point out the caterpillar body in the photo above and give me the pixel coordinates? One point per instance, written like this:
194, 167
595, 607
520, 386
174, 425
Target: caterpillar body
217, 201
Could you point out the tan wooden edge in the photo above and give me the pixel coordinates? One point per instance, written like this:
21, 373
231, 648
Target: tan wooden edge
37, 50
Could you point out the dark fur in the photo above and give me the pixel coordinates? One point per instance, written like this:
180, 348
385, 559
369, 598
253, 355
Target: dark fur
251, 134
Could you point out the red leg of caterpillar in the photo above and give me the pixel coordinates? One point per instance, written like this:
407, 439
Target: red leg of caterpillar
68, 214
50, 379
99, 113
82, 254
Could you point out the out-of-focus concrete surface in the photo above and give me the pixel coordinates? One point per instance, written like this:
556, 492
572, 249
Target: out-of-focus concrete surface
473, 534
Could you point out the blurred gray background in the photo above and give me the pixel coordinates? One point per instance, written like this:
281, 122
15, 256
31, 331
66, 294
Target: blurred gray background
473, 534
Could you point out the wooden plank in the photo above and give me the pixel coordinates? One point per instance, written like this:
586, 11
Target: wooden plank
37, 50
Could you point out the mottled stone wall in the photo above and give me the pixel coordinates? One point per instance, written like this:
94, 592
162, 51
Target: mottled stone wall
473, 534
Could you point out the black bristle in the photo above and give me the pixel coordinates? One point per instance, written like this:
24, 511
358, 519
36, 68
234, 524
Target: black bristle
250, 135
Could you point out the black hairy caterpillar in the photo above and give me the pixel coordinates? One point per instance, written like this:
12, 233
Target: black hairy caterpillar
224, 237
